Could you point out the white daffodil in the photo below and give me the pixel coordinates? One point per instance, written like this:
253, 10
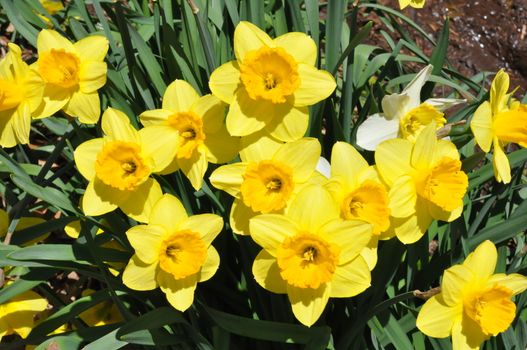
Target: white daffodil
404, 115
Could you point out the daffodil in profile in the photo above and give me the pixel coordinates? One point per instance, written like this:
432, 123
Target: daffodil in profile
118, 166
173, 252
73, 72
271, 83
404, 116
21, 92
474, 303
267, 178
497, 123
311, 254
360, 194
418, 4
203, 136
18, 314
425, 181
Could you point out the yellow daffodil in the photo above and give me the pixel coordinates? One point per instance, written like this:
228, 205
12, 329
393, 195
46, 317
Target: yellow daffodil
311, 254
25, 222
418, 4
495, 124
271, 83
267, 178
101, 314
21, 92
52, 6
203, 136
404, 115
73, 72
118, 166
474, 303
360, 194
425, 180
173, 252
17, 315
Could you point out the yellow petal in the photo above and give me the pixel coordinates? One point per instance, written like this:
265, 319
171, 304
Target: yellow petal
411, 229
85, 106
247, 116
369, 253
52, 101
301, 155
298, 45
439, 214
270, 230
7, 133
425, 146
498, 92
73, 229
93, 48
289, 124
85, 156
455, 279
212, 111
100, 198
4, 222
500, 162
351, 236
258, 147
179, 292
116, 126
515, 282
267, 273
159, 143
350, 279
194, 168
225, 80
168, 212
308, 303
49, 39
207, 225
155, 117
436, 319
144, 198
445, 148
146, 241
221, 147
404, 3
228, 178
346, 161
210, 266
481, 126
179, 96
240, 216
311, 217
315, 85
467, 335
248, 37
403, 197
482, 261
392, 158
140, 276
92, 76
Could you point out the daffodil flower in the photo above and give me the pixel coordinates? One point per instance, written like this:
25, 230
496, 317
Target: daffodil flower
73, 72
203, 136
118, 166
271, 83
267, 178
495, 124
425, 180
17, 315
474, 303
418, 4
25, 222
101, 314
360, 193
311, 254
404, 116
21, 92
173, 252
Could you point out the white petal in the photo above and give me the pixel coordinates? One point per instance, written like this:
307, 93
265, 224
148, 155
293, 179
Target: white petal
443, 104
413, 89
324, 167
376, 129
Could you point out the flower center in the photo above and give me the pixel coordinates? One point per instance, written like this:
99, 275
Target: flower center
369, 202
191, 135
511, 125
269, 74
11, 94
491, 308
120, 165
59, 67
267, 185
417, 119
307, 260
182, 254
444, 185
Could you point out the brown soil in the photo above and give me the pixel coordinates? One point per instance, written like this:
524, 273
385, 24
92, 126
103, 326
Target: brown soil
485, 35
